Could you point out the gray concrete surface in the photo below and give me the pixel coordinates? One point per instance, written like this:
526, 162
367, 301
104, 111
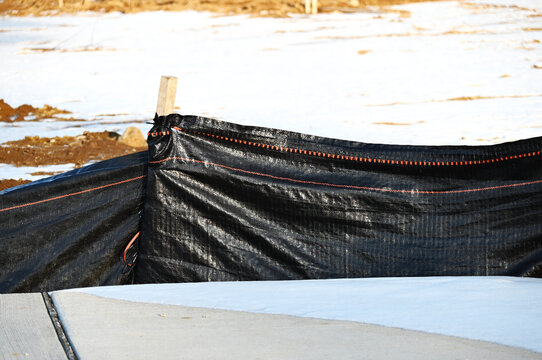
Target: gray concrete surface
101, 328
26, 330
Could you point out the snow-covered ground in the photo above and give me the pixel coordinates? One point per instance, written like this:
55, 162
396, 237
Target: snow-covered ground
400, 75
8, 171
337, 75
502, 310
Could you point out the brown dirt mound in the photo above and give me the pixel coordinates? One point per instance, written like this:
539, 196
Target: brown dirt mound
254, 7
8, 183
78, 150
21, 113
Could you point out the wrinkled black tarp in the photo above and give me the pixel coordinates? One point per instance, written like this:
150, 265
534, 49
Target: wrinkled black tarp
229, 202
70, 230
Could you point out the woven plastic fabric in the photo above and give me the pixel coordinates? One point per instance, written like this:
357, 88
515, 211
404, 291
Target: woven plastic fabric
230, 202
70, 230
216, 201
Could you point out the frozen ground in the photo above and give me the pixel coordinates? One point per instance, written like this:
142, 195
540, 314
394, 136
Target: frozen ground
396, 76
502, 310
8, 171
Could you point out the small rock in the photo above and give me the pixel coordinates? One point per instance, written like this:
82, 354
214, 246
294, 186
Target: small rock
133, 137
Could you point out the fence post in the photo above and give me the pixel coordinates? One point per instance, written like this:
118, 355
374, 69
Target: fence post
166, 95
311, 6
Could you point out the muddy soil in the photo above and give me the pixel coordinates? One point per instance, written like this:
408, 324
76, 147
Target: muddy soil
9, 183
78, 150
29, 113
254, 7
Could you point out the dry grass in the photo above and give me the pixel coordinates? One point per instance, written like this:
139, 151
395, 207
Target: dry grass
254, 7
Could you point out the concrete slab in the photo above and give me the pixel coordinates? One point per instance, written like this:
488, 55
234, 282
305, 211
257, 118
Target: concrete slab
496, 309
108, 328
26, 330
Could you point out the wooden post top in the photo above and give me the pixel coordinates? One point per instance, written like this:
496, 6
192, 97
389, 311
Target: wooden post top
166, 95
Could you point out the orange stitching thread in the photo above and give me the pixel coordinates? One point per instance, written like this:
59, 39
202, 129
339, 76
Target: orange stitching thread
348, 186
353, 158
72, 194
154, 134
129, 246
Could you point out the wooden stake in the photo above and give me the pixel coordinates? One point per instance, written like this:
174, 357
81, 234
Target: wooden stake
166, 95
311, 6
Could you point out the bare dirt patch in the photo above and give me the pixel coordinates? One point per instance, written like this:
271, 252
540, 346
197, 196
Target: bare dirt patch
30, 113
45, 173
485, 7
78, 150
254, 7
470, 98
463, 98
9, 183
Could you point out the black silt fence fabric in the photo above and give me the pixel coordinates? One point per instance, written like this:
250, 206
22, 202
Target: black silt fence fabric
230, 202
71, 230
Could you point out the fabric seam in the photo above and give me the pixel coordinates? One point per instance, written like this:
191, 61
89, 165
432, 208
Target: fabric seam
361, 159
72, 194
367, 188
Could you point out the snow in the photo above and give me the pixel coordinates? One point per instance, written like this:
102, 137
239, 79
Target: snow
52, 128
301, 73
29, 172
415, 64
503, 310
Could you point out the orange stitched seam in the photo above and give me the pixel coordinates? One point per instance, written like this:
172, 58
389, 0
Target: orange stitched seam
347, 186
72, 194
128, 248
352, 158
159, 133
